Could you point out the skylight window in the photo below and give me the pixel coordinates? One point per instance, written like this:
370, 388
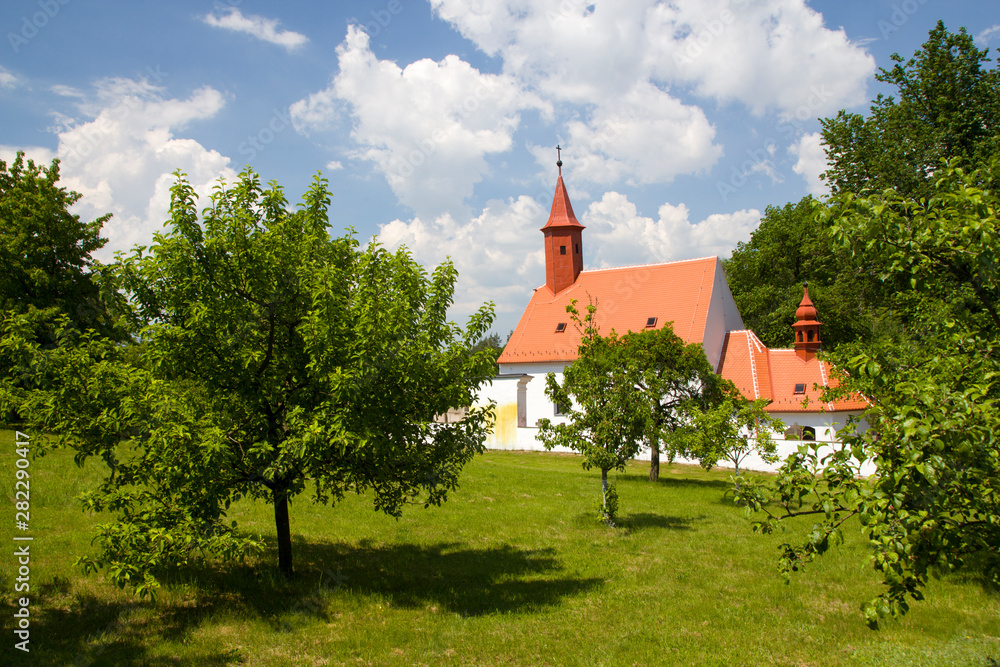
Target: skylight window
650, 322
800, 388
560, 327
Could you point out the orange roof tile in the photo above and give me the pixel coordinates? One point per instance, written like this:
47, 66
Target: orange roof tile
762, 373
678, 292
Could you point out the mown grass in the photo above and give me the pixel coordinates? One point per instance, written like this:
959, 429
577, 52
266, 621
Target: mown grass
512, 570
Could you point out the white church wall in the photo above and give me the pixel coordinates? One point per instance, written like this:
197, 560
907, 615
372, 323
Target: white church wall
826, 425
507, 434
519, 394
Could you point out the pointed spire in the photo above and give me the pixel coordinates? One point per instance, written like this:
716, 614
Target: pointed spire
561, 214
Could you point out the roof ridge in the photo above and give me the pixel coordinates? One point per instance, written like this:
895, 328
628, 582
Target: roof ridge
753, 368
639, 266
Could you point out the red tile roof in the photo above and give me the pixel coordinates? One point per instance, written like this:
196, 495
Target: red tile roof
762, 373
678, 292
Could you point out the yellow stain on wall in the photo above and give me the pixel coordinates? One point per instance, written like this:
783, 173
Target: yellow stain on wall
505, 426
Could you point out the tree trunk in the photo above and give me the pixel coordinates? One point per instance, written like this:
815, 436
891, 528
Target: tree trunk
283, 529
654, 461
604, 491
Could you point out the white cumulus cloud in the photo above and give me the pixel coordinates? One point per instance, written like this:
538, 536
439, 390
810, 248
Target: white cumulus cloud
988, 35
320, 111
621, 139
121, 153
256, 26
617, 235
618, 69
811, 162
41, 156
498, 254
770, 54
766, 54
427, 127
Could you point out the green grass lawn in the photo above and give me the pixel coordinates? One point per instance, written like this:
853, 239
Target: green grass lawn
512, 570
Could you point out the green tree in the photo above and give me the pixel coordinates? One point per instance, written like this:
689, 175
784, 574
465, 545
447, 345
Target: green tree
731, 430
673, 379
791, 246
46, 250
606, 419
948, 106
933, 503
268, 359
493, 344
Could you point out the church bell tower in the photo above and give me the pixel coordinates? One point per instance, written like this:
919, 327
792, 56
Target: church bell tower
563, 239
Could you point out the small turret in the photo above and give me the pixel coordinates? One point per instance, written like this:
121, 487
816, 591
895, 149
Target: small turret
807, 326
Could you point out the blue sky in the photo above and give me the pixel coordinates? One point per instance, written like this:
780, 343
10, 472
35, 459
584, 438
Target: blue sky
436, 121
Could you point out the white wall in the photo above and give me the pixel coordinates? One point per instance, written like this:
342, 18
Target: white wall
723, 316
504, 392
826, 424
507, 435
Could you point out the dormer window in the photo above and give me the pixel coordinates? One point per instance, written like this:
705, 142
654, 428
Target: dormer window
800, 388
650, 322
560, 327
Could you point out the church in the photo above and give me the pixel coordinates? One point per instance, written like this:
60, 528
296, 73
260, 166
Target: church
692, 296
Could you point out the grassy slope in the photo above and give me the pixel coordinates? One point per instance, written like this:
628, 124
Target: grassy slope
511, 571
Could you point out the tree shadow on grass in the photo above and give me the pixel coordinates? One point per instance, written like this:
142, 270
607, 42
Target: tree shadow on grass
98, 630
471, 582
676, 482
641, 520
979, 571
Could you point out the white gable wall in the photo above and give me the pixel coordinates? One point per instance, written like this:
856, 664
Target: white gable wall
723, 316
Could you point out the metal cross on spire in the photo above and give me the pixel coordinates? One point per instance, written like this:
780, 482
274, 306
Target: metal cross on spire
558, 156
